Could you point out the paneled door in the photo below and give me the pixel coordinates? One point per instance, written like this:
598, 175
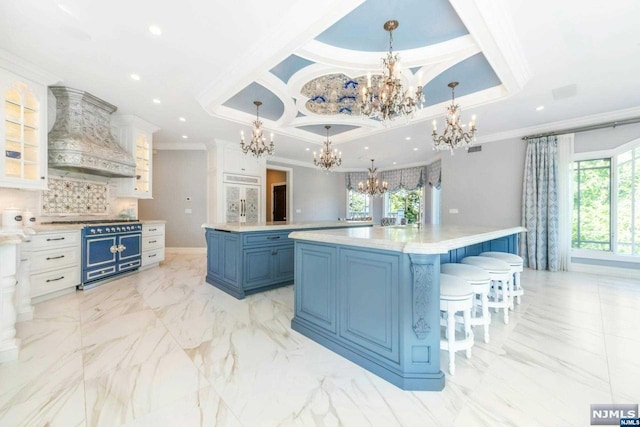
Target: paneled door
242, 203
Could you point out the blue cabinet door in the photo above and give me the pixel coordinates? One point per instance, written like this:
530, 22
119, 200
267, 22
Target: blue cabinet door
231, 259
283, 264
97, 252
258, 267
214, 255
131, 244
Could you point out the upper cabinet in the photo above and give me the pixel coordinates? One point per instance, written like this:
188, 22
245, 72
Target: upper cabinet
136, 136
235, 161
23, 132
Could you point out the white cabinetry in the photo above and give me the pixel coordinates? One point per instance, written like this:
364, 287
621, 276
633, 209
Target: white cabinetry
136, 136
23, 132
152, 244
242, 199
55, 260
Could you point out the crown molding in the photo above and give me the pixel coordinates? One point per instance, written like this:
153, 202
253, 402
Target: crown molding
17, 65
562, 124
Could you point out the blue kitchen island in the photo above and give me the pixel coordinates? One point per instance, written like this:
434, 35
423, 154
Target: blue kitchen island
372, 294
245, 259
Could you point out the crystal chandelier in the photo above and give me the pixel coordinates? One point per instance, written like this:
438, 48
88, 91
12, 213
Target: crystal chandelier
372, 186
258, 145
328, 158
453, 136
387, 99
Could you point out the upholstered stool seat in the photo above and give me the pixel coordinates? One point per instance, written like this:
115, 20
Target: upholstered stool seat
456, 296
500, 273
480, 283
516, 262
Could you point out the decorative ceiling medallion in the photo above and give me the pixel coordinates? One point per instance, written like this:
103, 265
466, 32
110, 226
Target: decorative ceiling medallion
333, 94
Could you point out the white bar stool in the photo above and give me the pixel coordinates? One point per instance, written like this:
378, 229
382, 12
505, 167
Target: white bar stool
516, 262
480, 283
456, 295
500, 273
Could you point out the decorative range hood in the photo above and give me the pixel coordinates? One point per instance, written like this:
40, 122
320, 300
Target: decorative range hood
81, 138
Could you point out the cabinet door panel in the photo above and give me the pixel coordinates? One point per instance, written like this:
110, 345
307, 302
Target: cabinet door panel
232, 203
283, 264
214, 254
258, 266
252, 204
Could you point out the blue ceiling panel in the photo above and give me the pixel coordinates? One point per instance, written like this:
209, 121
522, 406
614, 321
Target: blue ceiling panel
289, 67
271, 108
473, 74
335, 129
422, 23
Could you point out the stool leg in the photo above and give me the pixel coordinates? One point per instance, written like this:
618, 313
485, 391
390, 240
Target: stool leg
506, 299
451, 338
468, 333
516, 285
486, 316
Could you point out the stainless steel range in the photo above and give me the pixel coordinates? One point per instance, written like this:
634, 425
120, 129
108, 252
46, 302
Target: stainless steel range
108, 250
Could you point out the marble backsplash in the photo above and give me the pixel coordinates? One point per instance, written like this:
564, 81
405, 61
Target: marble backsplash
79, 197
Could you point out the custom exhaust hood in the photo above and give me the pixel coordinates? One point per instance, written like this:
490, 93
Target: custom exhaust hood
81, 138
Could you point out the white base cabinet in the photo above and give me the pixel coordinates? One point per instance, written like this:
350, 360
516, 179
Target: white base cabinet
55, 260
152, 245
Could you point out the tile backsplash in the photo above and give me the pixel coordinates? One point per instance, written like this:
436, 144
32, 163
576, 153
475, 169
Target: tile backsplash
67, 196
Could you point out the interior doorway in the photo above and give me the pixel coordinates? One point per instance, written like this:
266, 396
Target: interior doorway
279, 198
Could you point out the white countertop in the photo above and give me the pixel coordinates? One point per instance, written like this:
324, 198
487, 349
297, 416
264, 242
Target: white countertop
430, 239
285, 225
53, 228
13, 236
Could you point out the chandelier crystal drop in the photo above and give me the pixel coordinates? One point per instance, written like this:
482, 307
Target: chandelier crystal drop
328, 159
372, 186
453, 136
384, 98
258, 145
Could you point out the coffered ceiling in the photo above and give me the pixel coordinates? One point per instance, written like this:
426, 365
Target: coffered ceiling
580, 60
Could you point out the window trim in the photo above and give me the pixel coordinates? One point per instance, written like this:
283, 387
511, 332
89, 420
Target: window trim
369, 198
385, 204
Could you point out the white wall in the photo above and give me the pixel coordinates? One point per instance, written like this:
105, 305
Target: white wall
178, 174
485, 186
605, 139
318, 195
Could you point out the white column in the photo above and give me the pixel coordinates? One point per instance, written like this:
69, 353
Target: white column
23, 290
9, 345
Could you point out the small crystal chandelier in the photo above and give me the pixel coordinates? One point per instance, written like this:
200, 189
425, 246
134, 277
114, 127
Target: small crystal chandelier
372, 187
328, 158
258, 145
453, 136
389, 99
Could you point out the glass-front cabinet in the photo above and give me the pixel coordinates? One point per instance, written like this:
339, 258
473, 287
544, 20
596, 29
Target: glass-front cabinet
136, 136
23, 129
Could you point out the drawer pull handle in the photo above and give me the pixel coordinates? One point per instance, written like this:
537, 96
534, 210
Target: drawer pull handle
55, 280
54, 257
152, 241
57, 238
152, 255
274, 252
273, 238
152, 229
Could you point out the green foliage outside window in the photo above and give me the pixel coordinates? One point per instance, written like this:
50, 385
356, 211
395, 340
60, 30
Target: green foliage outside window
407, 201
591, 205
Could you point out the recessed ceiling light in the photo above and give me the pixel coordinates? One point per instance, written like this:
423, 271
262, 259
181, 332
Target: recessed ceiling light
155, 30
408, 138
395, 163
540, 107
366, 148
182, 119
135, 76
184, 137
156, 101
307, 149
415, 149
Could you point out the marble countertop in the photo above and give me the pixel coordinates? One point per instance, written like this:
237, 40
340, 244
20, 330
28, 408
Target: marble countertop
13, 236
271, 226
52, 228
430, 239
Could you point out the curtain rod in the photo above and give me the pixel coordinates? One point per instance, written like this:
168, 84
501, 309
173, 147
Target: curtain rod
586, 128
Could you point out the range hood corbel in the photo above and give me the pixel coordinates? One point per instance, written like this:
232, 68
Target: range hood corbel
81, 138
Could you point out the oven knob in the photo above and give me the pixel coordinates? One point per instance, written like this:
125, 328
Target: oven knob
128, 227
99, 230
117, 228
93, 231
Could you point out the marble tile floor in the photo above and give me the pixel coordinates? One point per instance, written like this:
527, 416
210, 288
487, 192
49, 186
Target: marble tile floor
163, 348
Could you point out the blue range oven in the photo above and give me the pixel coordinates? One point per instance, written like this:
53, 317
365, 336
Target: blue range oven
109, 250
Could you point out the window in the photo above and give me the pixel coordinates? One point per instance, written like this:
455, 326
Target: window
358, 205
606, 209
591, 205
404, 204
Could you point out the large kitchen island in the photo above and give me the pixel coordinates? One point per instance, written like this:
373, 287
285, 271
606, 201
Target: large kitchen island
372, 294
243, 259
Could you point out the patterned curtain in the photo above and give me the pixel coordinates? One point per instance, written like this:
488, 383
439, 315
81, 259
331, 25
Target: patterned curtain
409, 178
434, 174
539, 247
353, 178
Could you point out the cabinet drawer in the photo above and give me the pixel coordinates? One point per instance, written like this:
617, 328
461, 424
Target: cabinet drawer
152, 242
54, 258
52, 281
52, 240
152, 229
152, 257
271, 238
